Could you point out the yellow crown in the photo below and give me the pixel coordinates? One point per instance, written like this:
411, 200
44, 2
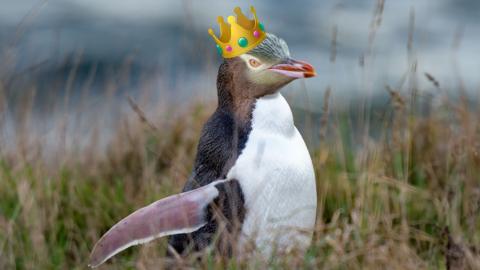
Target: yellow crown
240, 36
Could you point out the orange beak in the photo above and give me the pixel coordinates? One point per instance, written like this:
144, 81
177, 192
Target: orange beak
294, 69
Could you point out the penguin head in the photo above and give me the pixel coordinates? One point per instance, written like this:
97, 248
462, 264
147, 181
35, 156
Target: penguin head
266, 68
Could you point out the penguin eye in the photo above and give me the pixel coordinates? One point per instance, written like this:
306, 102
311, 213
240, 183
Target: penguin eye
254, 63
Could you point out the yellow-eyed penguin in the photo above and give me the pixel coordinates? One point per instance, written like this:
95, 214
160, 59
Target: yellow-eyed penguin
253, 184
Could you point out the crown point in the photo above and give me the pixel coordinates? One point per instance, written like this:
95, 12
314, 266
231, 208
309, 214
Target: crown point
242, 42
231, 19
220, 19
252, 9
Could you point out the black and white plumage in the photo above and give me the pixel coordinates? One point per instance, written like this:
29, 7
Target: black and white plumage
253, 180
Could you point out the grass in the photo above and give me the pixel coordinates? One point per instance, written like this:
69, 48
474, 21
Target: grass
404, 200
398, 185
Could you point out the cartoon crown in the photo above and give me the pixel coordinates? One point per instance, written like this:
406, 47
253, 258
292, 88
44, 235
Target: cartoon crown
240, 36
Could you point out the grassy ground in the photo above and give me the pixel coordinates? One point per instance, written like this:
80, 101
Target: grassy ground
398, 185
408, 199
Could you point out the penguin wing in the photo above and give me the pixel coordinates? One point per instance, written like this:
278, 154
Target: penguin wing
181, 213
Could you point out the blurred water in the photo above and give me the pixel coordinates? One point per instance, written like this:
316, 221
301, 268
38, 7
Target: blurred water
63, 48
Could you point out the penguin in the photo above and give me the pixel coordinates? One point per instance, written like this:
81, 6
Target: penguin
253, 183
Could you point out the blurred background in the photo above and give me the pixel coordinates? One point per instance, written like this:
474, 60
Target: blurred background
102, 103
91, 55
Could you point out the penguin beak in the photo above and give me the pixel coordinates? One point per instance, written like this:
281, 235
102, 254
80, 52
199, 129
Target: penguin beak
294, 69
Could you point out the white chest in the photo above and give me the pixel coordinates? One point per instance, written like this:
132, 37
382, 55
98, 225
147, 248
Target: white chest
276, 175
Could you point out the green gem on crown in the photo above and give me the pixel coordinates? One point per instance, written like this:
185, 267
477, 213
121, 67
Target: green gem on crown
261, 27
243, 42
219, 50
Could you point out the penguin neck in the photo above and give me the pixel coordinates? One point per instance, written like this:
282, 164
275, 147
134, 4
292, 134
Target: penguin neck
241, 109
230, 98
267, 112
272, 114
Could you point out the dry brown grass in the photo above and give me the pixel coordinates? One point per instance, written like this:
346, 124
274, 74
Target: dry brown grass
407, 197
